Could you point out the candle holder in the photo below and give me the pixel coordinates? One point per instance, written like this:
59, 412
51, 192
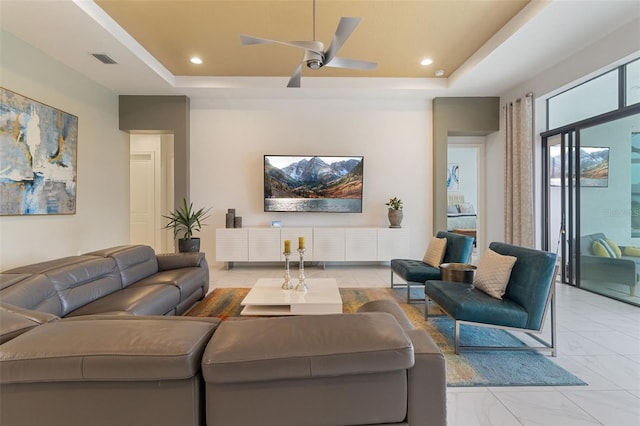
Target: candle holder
302, 286
287, 284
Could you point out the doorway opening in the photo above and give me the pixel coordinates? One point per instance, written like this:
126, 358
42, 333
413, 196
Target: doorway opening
151, 189
466, 188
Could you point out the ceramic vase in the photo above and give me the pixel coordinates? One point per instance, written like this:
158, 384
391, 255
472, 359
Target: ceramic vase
395, 218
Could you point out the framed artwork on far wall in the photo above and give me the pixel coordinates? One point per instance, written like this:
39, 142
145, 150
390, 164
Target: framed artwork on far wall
38, 157
453, 177
594, 166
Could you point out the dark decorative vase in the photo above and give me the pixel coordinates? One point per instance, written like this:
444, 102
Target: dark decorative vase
189, 245
395, 218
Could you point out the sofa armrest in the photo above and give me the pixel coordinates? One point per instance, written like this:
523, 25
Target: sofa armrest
598, 268
427, 382
167, 261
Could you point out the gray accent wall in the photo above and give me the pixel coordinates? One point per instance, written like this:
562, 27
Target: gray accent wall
162, 114
478, 116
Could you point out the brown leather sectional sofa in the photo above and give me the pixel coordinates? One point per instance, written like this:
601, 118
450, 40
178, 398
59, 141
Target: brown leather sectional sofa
94, 340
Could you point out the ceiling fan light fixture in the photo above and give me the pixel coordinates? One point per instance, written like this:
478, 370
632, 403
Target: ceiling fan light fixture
314, 60
314, 64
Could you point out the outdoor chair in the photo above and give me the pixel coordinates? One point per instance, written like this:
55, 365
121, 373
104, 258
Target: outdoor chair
529, 295
416, 272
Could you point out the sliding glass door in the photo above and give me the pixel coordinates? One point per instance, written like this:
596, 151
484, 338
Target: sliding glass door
592, 203
609, 207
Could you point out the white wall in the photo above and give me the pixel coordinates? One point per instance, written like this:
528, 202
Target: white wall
102, 209
229, 138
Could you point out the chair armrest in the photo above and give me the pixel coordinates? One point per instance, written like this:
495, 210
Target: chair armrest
167, 261
427, 382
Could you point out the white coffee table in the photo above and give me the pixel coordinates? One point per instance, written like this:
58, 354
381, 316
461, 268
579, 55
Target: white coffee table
267, 298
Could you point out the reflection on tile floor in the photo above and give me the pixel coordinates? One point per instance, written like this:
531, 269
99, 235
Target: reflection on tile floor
598, 341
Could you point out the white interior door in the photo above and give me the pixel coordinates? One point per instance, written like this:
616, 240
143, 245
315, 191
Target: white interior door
143, 223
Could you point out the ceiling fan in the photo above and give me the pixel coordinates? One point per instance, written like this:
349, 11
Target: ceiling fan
315, 57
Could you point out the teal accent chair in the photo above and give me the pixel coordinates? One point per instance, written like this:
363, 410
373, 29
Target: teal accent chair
529, 295
416, 272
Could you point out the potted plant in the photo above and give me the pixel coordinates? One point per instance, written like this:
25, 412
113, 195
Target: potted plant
395, 212
187, 220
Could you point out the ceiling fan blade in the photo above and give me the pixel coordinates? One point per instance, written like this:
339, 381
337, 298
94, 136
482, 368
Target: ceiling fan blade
309, 45
346, 26
294, 81
351, 63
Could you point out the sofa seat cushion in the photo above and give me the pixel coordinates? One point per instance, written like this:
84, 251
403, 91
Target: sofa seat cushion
306, 347
155, 299
465, 303
106, 350
186, 280
414, 271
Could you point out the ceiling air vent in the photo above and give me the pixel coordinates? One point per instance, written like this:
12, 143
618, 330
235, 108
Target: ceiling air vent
104, 58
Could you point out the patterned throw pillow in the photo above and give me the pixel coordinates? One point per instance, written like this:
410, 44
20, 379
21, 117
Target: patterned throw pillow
435, 252
493, 273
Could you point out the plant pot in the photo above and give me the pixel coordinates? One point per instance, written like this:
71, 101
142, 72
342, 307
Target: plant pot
188, 245
395, 218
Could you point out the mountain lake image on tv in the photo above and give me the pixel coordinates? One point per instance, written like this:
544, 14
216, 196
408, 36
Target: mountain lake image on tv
313, 184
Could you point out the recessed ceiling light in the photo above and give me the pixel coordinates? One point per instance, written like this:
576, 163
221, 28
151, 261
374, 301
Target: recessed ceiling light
425, 62
196, 60
439, 73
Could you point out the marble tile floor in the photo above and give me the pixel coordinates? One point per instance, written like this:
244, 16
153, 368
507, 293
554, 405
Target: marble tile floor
598, 341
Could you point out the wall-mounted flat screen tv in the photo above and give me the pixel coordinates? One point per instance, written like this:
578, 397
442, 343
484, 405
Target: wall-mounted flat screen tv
313, 183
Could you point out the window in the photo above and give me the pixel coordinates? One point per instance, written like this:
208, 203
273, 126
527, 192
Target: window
589, 99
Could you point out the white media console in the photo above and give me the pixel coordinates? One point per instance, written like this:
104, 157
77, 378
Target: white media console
322, 244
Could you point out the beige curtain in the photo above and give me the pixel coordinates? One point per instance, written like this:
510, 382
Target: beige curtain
518, 189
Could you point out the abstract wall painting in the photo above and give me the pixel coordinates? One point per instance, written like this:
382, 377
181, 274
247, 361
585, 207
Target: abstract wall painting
38, 157
453, 177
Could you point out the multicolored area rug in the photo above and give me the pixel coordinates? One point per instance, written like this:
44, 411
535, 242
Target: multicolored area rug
470, 368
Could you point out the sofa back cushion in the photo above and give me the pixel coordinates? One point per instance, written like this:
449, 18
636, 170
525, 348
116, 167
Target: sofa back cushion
135, 262
586, 243
85, 282
459, 247
530, 281
34, 292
